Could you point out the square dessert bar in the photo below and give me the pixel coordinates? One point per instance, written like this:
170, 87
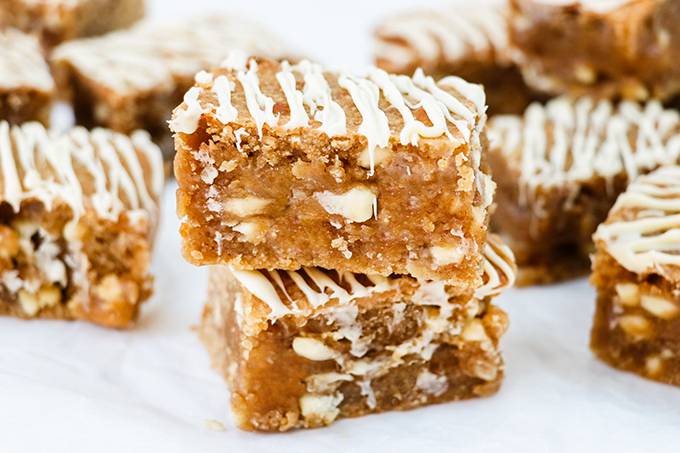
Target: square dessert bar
618, 48
636, 271
282, 166
559, 169
26, 86
133, 79
55, 21
78, 212
470, 41
300, 349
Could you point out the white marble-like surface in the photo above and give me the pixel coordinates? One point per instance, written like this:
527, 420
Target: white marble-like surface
71, 387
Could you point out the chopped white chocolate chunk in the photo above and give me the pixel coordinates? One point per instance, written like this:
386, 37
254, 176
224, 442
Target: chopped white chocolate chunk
628, 294
356, 205
320, 408
659, 307
313, 349
247, 206
446, 255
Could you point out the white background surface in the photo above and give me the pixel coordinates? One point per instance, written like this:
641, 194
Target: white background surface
71, 387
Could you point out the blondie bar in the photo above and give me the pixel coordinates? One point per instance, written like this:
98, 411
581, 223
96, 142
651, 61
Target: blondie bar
559, 169
344, 345
133, 79
636, 271
55, 21
282, 166
470, 41
618, 48
26, 86
78, 213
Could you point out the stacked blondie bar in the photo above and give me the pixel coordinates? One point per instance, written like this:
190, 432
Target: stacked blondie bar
346, 218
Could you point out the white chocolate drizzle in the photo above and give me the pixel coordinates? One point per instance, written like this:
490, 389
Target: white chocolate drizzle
499, 268
123, 173
431, 38
597, 6
22, 64
153, 56
567, 142
260, 107
643, 234
318, 98
320, 287
315, 100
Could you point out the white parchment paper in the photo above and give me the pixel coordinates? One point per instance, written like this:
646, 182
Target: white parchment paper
71, 387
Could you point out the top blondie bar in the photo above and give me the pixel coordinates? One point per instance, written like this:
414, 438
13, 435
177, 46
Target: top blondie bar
282, 166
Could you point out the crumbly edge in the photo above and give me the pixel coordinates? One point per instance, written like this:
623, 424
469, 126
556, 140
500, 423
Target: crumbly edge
95, 270
636, 326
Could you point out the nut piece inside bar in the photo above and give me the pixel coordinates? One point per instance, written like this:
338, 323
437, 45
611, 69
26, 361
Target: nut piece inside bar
282, 166
559, 169
612, 49
344, 345
636, 271
468, 40
26, 86
78, 214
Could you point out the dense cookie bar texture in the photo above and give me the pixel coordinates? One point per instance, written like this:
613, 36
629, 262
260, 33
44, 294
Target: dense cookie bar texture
559, 169
636, 271
78, 213
26, 86
133, 79
300, 349
470, 41
282, 166
56, 21
622, 48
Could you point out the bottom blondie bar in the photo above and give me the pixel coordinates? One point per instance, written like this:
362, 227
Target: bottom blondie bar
637, 275
301, 348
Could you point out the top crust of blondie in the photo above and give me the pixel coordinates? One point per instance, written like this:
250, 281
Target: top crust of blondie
642, 232
22, 65
570, 142
380, 107
154, 55
99, 171
449, 36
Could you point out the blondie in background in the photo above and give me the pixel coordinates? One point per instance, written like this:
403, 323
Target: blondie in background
71, 387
